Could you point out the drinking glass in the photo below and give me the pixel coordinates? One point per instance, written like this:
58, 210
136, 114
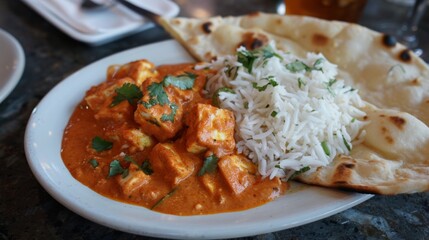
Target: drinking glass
408, 32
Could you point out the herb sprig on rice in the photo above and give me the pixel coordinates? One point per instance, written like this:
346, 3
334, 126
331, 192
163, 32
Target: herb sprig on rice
292, 114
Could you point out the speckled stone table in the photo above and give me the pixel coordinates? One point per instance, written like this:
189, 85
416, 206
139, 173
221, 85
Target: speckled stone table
27, 211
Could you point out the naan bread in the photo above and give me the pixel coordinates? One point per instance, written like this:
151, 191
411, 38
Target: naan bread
394, 156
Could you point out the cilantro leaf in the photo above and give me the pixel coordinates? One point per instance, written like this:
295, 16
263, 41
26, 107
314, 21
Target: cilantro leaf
268, 52
129, 92
93, 162
274, 113
170, 117
184, 82
346, 144
130, 160
146, 167
210, 165
329, 85
152, 102
326, 148
99, 144
231, 72
157, 92
297, 66
301, 83
115, 168
246, 58
316, 65
164, 198
296, 173
215, 97
271, 81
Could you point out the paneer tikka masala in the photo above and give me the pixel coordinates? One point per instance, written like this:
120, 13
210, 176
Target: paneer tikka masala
148, 136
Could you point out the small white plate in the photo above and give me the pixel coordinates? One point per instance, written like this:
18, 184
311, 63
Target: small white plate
100, 26
43, 145
12, 61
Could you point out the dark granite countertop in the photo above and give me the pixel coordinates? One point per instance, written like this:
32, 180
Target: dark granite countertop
27, 211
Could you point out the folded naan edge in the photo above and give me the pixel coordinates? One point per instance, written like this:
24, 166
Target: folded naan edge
386, 73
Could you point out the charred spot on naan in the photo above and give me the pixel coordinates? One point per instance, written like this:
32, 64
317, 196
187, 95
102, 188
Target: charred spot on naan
251, 40
405, 55
386, 134
344, 170
416, 82
320, 40
398, 121
389, 40
207, 27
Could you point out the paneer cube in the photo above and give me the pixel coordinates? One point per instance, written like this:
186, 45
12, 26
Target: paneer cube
160, 119
139, 71
118, 113
138, 139
102, 95
209, 182
135, 180
165, 160
210, 128
238, 171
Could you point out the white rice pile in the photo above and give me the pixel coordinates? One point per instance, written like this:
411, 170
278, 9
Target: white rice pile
291, 113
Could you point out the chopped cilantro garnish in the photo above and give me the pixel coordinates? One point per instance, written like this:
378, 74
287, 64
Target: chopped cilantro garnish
130, 160
271, 81
215, 97
157, 92
246, 58
231, 72
297, 66
99, 144
164, 198
116, 169
331, 82
296, 173
246, 105
129, 92
316, 65
93, 162
300, 83
210, 165
170, 117
329, 85
274, 114
268, 52
347, 144
326, 148
184, 82
147, 168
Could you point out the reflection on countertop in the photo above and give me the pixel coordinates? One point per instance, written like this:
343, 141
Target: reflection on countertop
27, 211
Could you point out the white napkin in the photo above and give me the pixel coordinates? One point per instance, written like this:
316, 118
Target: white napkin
109, 19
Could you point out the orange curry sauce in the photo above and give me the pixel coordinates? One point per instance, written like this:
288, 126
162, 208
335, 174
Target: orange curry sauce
161, 154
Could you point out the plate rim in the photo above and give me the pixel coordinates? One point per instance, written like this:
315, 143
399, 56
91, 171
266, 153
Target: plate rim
18, 70
240, 228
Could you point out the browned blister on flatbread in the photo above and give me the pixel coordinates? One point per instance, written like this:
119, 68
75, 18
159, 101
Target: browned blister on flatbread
394, 155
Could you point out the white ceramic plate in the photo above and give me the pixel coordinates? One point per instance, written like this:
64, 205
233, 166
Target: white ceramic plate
43, 143
12, 61
99, 27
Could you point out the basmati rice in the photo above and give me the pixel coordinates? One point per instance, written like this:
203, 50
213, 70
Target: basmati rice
286, 108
